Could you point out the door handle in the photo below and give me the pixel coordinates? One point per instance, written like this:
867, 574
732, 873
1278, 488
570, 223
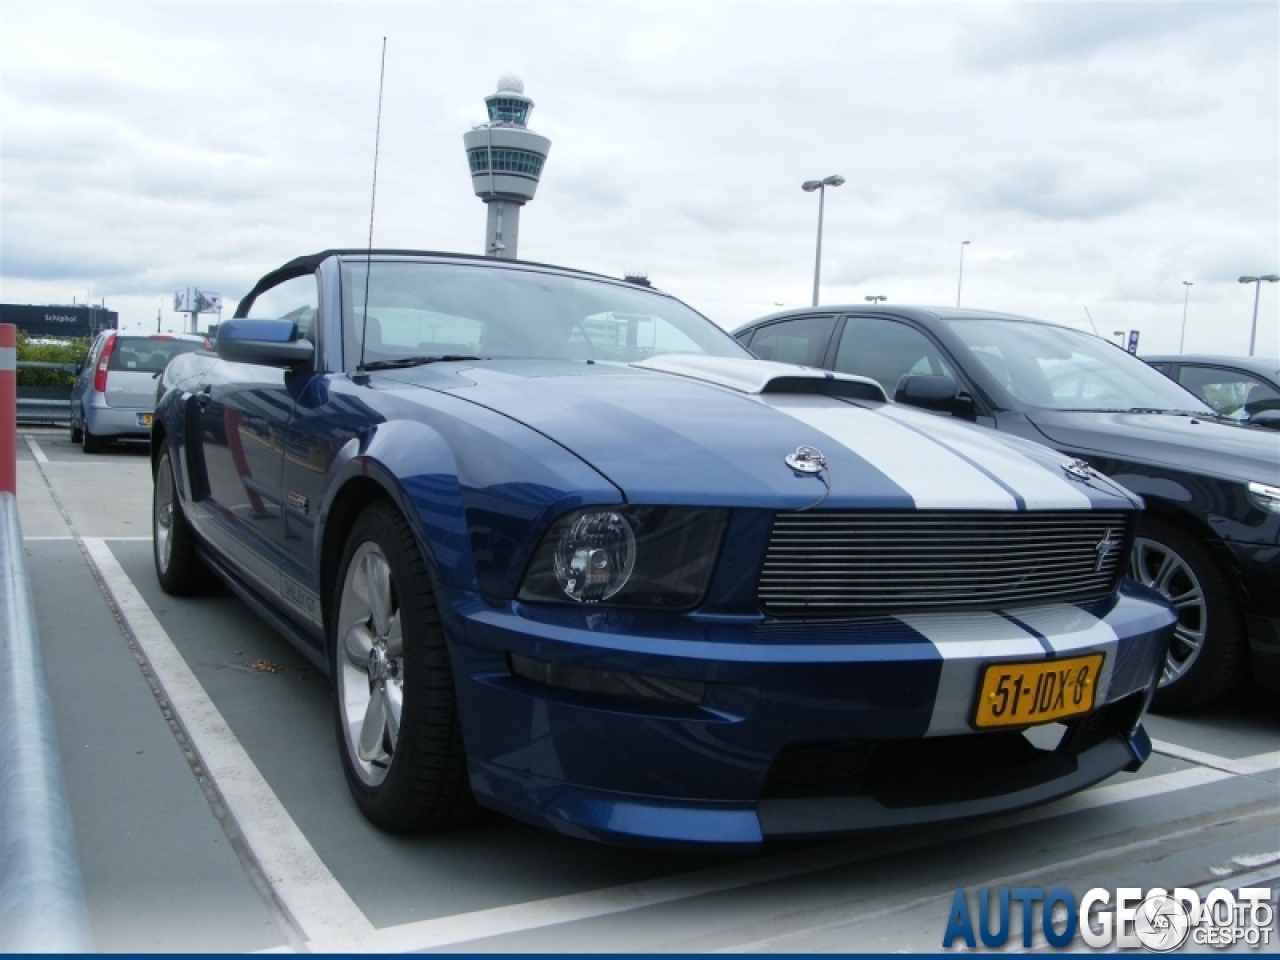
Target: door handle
205, 396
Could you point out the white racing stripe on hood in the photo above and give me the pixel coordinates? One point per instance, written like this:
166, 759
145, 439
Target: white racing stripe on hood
1038, 485
933, 476
967, 641
1072, 631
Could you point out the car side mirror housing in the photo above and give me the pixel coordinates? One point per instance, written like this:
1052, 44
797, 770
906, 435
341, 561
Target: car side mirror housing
1267, 419
73, 369
937, 394
271, 343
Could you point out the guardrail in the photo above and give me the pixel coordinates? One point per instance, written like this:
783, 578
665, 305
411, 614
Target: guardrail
40, 405
42, 906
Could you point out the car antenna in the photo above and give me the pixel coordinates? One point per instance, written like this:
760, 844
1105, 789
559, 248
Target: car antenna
373, 197
1091, 323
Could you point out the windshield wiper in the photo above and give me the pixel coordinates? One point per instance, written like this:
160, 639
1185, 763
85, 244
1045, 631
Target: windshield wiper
1203, 414
401, 362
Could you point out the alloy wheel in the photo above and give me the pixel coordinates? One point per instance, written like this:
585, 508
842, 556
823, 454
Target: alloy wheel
370, 662
1156, 565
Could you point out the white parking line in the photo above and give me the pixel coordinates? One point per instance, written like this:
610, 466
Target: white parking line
1247, 767
331, 920
321, 908
517, 918
34, 447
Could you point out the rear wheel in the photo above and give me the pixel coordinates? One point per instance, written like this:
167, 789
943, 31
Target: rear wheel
1206, 656
178, 567
77, 434
90, 443
398, 730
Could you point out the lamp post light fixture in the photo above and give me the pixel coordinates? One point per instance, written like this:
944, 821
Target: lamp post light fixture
1257, 290
1182, 340
960, 278
809, 186
876, 299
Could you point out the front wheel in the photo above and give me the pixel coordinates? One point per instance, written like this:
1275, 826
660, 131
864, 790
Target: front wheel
1206, 655
179, 570
397, 719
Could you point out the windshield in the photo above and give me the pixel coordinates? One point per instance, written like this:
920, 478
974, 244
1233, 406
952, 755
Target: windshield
148, 354
1037, 365
460, 310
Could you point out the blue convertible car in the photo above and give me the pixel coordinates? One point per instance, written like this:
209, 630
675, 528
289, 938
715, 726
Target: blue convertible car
570, 553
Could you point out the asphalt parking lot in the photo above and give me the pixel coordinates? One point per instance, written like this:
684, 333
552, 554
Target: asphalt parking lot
211, 813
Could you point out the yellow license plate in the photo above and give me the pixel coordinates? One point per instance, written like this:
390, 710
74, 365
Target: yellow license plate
1022, 694
144, 419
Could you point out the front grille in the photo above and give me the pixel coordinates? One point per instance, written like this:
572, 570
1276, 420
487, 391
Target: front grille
829, 564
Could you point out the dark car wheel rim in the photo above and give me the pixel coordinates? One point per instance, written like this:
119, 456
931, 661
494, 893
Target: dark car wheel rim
1157, 566
163, 519
370, 664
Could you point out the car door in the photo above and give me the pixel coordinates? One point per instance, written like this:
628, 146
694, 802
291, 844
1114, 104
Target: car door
84, 377
244, 416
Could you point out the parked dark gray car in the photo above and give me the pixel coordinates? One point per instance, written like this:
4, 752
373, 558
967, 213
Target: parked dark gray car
1209, 540
114, 395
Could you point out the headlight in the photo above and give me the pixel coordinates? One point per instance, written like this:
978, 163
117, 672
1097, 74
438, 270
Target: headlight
1265, 496
628, 556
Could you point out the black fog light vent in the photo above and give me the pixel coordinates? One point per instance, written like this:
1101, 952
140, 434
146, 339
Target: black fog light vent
607, 683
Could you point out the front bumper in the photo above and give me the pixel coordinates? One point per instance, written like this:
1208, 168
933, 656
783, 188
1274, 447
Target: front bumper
802, 729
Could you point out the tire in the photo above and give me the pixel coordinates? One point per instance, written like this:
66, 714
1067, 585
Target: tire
90, 443
178, 568
393, 651
1206, 657
77, 434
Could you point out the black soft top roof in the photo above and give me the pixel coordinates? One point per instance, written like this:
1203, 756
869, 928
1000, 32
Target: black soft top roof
300, 266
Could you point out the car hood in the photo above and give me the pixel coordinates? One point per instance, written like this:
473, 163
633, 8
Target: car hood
717, 432
1185, 443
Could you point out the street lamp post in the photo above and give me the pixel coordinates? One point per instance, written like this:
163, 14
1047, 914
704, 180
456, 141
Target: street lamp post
1182, 340
809, 186
1257, 291
876, 299
960, 278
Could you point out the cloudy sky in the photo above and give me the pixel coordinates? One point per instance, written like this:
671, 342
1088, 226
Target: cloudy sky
1096, 154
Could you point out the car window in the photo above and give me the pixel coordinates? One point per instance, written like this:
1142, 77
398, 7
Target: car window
802, 340
1232, 393
886, 351
295, 300
1040, 365
441, 309
148, 354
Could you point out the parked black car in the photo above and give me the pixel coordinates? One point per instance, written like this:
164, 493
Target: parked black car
1242, 388
1210, 538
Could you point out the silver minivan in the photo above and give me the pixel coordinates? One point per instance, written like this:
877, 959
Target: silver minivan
114, 395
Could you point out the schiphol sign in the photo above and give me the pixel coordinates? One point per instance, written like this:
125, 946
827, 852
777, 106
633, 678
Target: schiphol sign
80, 320
1156, 920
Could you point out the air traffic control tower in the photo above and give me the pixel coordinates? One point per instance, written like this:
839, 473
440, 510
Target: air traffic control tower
506, 159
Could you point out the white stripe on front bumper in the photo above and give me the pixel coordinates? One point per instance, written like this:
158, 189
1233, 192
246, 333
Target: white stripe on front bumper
967, 642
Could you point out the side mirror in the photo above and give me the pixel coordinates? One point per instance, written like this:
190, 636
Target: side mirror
938, 394
271, 343
73, 369
1267, 419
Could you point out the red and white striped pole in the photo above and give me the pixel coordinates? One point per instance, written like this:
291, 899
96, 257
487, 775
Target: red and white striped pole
8, 408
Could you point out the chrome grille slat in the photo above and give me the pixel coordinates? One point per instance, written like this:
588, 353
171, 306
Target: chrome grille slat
832, 563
